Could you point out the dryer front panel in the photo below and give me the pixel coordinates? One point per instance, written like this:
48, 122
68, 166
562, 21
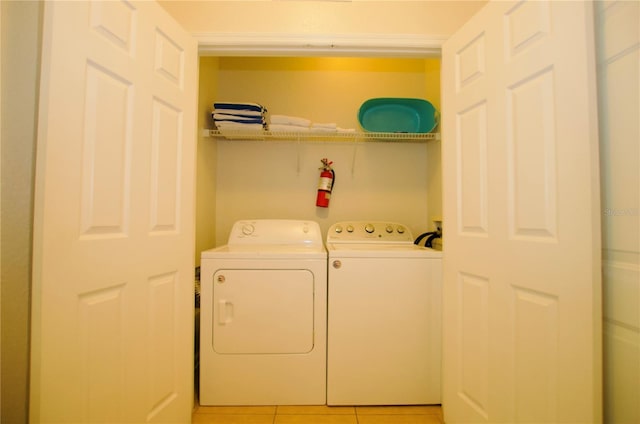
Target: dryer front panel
263, 311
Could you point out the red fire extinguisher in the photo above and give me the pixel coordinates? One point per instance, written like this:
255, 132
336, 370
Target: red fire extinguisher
327, 177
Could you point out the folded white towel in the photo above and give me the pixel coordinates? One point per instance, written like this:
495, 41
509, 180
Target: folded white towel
239, 112
226, 117
289, 120
330, 125
235, 126
287, 128
323, 129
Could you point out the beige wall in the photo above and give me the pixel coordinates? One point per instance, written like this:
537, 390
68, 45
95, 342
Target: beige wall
279, 180
20, 72
323, 17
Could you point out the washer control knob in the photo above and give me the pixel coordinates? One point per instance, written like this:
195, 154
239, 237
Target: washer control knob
350, 229
369, 228
221, 279
248, 229
400, 230
389, 229
337, 264
338, 229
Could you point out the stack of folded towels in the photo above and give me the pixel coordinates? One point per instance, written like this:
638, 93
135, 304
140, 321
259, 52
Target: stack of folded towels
285, 123
239, 116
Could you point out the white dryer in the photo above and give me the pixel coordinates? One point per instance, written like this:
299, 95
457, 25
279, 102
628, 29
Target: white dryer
263, 316
384, 316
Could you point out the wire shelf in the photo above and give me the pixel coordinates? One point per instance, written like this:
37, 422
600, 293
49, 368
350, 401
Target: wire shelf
324, 136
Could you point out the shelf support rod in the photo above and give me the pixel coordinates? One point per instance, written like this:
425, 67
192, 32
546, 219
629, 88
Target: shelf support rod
353, 160
298, 157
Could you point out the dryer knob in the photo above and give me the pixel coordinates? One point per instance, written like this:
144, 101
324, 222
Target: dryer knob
221, 279
337, 264
369, 228
248, 229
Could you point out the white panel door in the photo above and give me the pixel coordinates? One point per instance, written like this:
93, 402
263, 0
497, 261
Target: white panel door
113, 235
521, 291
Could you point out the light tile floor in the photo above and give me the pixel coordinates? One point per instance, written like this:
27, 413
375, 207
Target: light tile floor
318, 414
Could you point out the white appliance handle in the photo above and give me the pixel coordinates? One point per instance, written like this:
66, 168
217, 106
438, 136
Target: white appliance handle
225, 312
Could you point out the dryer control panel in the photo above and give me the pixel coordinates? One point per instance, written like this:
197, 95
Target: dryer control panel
369, 231
275, 232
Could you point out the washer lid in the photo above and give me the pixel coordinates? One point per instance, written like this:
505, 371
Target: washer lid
381, 250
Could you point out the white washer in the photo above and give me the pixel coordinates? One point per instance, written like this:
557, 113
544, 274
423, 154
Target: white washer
263, 316
384, 316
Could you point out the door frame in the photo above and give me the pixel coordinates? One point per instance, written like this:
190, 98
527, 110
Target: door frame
300, 45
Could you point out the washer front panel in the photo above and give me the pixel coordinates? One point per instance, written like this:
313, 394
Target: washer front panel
384, 331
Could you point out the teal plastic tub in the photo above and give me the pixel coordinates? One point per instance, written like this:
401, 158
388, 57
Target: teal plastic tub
398, 115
